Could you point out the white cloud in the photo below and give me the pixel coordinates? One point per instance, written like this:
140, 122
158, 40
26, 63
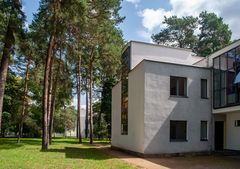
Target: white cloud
145, 35
228, 10
133, 1
153, 18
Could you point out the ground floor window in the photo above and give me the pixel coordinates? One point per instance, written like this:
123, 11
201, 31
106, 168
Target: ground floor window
204, 131
178, 130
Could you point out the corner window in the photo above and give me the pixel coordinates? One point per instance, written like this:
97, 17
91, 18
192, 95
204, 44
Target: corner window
237, 123
204, 88
178, 130
204, 131
178, 86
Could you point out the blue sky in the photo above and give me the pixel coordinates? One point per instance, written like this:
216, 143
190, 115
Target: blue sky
144, 17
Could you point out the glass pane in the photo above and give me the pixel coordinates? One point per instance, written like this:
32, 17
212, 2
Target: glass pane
216, 80
203, 88
217, 98
178, 130
223, 97
173, 86
223, 62
216, 63
182, 86
238, 60
231, 58
223, 79
204, 130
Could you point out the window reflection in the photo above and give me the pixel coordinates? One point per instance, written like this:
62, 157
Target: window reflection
225, 69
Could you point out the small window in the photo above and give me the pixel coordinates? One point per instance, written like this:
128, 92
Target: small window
178, 130
204, 88
178, 86
237, 123
204, 131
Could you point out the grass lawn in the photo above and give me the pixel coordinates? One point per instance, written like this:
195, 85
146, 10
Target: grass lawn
63, 153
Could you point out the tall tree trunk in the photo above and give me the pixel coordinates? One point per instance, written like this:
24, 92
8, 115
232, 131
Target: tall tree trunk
8, 43
54, 99
86, 120
79, 99
25, 91
90, 99
50, 88
45, 93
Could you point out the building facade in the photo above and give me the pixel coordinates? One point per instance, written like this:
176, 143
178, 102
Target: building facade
171, 101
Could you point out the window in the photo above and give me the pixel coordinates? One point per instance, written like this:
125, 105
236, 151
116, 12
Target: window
237, 123
124, 79
178, 130
204, 88
204, 131
226, 87
178, 86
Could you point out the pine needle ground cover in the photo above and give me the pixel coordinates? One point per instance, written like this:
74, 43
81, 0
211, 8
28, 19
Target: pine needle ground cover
62, 154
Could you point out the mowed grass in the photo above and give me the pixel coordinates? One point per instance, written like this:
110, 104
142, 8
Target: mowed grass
62, 154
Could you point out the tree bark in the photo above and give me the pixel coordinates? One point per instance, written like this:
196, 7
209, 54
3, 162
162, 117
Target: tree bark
25, 91
45, 93
8, 43
54, 99
86, 120
79, 99
90, 99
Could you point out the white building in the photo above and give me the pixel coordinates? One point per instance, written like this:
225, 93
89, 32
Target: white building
171, 101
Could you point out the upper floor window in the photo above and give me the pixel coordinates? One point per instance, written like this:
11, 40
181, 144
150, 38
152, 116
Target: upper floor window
204, 88
178, 86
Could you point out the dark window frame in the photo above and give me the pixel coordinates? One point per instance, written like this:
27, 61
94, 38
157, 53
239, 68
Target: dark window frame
177, 79
201, 136
205, 95
171, 131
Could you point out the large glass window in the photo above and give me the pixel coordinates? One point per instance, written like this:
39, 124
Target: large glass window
124, 78
226, 91
178, 130
178, 86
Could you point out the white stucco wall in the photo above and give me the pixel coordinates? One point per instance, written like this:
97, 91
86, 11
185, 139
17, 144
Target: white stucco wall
160, 108
141, 51
134, 140
233, 133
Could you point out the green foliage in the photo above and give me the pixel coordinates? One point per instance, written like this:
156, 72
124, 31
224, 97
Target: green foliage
65, 120
180, 32
215, 34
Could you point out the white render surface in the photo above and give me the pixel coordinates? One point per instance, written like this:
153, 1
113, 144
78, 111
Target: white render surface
151, 108
160, 108
233, 133
141, 51
134, 140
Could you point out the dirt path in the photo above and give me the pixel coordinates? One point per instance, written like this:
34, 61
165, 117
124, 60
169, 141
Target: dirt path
197, 162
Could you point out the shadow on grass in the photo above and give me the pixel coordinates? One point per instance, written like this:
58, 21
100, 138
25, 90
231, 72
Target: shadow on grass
81, 153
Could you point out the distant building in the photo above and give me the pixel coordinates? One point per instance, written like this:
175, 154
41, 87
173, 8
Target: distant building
171, 101
73, 133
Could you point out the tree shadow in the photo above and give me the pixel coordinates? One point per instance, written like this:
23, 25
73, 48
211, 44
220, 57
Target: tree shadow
89, 153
